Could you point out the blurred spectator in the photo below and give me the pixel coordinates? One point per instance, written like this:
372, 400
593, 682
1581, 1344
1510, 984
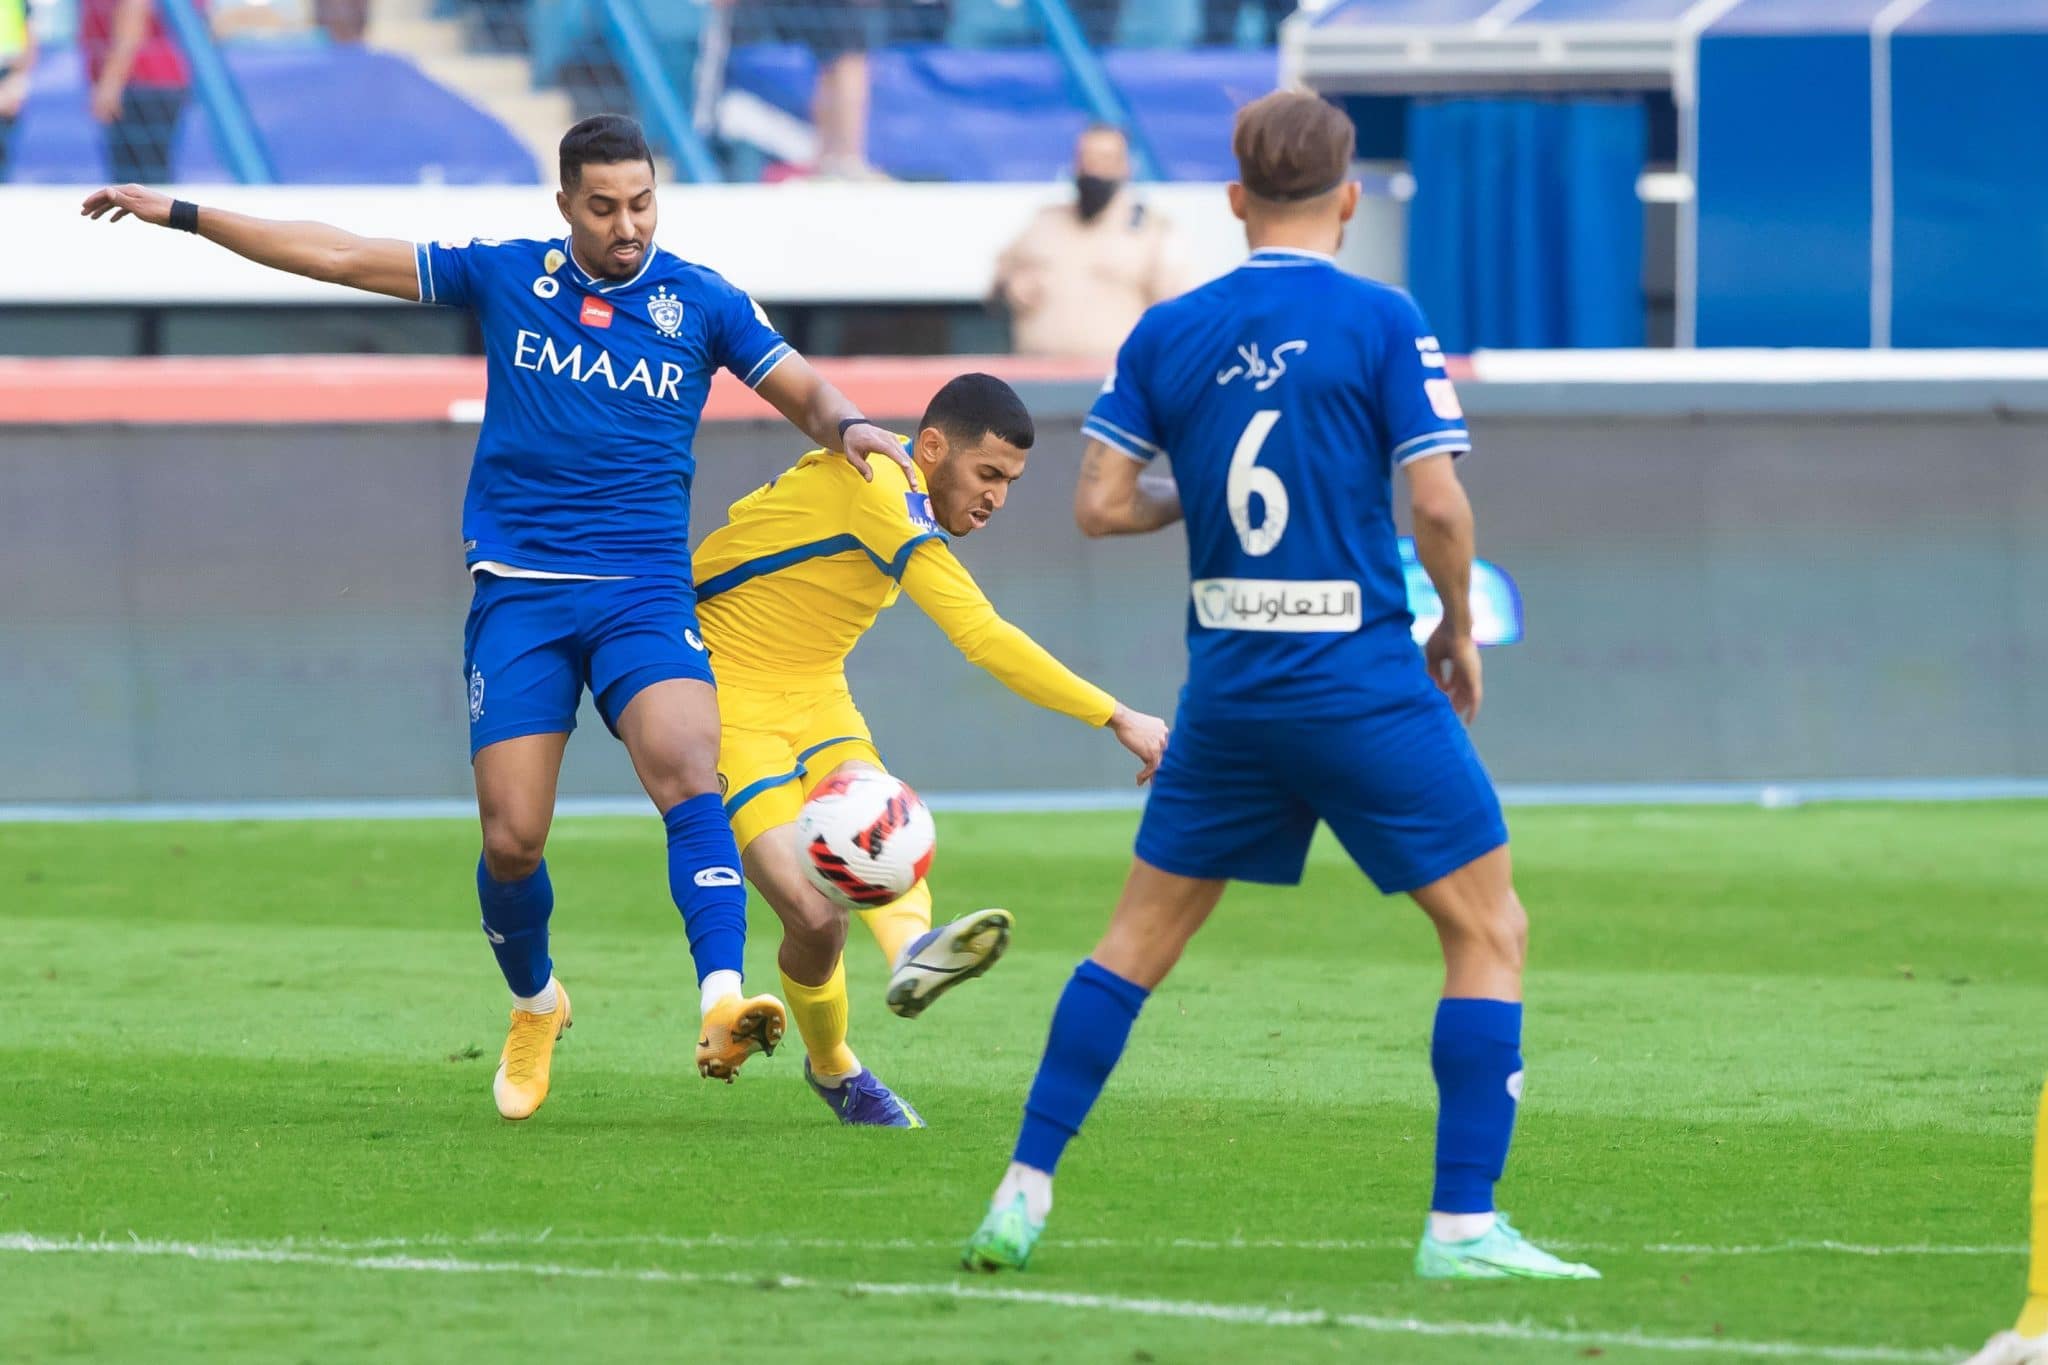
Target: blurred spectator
1220, 18
260, 18
839, 34
344, 20
1077, 279
139, 83
17, 58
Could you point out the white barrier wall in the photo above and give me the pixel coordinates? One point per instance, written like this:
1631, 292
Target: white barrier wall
800, 242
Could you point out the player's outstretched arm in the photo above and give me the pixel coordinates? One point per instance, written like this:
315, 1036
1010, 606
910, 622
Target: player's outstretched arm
1119, 496
820, 411
381, 265
1444, 543
939, 583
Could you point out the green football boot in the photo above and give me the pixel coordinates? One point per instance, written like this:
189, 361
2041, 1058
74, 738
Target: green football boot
1500, 1253
1005, 1238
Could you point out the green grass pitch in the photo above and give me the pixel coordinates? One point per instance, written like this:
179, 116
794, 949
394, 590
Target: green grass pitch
1781, 1073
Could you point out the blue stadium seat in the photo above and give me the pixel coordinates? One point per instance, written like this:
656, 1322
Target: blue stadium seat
950, 113
404, 128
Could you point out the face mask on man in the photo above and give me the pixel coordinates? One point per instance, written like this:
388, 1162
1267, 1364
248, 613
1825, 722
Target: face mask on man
1093, 193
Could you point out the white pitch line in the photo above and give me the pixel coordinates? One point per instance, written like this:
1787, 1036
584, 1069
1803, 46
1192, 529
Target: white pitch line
1251, 1315
729, 1242
1834, 1248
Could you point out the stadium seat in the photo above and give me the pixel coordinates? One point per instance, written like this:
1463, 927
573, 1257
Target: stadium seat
403, 127
949, 113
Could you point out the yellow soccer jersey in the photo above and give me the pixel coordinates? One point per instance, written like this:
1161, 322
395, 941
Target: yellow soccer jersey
805, 563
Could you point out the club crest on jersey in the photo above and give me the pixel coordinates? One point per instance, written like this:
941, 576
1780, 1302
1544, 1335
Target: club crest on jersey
920, 507
667, 311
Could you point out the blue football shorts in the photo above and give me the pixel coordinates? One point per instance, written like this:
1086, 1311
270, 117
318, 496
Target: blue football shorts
532, 645
1401, 786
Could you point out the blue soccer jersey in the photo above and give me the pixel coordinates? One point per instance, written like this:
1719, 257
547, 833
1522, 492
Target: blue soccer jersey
584, 462
1285, 395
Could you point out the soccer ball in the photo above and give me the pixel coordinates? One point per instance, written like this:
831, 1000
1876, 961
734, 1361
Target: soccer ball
866, 837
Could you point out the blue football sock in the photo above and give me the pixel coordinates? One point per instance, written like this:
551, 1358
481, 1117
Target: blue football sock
1089, 1029
516, 923
1477, 1056
704, 878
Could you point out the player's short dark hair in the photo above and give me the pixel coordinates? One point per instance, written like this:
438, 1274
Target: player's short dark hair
972, 406
601, 140
1291, 146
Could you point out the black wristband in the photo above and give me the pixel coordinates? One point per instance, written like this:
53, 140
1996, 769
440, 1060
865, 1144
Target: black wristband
852, 422
184, 215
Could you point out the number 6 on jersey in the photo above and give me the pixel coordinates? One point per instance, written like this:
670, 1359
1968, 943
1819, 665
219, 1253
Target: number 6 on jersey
1247, 479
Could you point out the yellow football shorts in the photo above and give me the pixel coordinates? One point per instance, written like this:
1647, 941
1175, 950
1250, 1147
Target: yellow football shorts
774, 748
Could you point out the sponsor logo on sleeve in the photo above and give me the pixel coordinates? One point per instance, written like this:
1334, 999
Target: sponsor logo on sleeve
1443, 399
919, 505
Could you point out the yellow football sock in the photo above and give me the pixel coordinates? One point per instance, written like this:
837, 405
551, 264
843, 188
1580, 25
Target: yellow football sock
820, 1014
2034, 1317
894, 925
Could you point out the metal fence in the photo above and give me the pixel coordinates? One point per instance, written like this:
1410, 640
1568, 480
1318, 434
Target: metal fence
230, 613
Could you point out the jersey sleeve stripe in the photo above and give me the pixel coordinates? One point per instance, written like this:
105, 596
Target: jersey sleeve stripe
781, 559
1431, 443
895, 567
765, 366
423, 271
1111, 435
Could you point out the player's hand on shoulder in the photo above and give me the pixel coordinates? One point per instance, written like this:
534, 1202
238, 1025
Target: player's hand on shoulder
1454, 667
865, 439
1143, 735
151, 206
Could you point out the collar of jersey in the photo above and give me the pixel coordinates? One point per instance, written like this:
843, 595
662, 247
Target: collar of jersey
592, 283
1292, 255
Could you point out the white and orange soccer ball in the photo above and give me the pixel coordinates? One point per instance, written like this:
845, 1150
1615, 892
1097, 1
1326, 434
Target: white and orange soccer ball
866, 837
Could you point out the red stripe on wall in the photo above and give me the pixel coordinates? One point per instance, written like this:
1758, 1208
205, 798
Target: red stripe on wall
350, 388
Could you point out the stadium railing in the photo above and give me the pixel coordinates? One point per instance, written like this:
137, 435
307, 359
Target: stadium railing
955, 89
467, 91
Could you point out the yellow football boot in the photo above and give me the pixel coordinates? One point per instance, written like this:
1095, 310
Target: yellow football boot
522, 1080
736, 1029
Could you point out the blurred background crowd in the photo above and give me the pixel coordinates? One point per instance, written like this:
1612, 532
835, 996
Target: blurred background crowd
1540, 173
